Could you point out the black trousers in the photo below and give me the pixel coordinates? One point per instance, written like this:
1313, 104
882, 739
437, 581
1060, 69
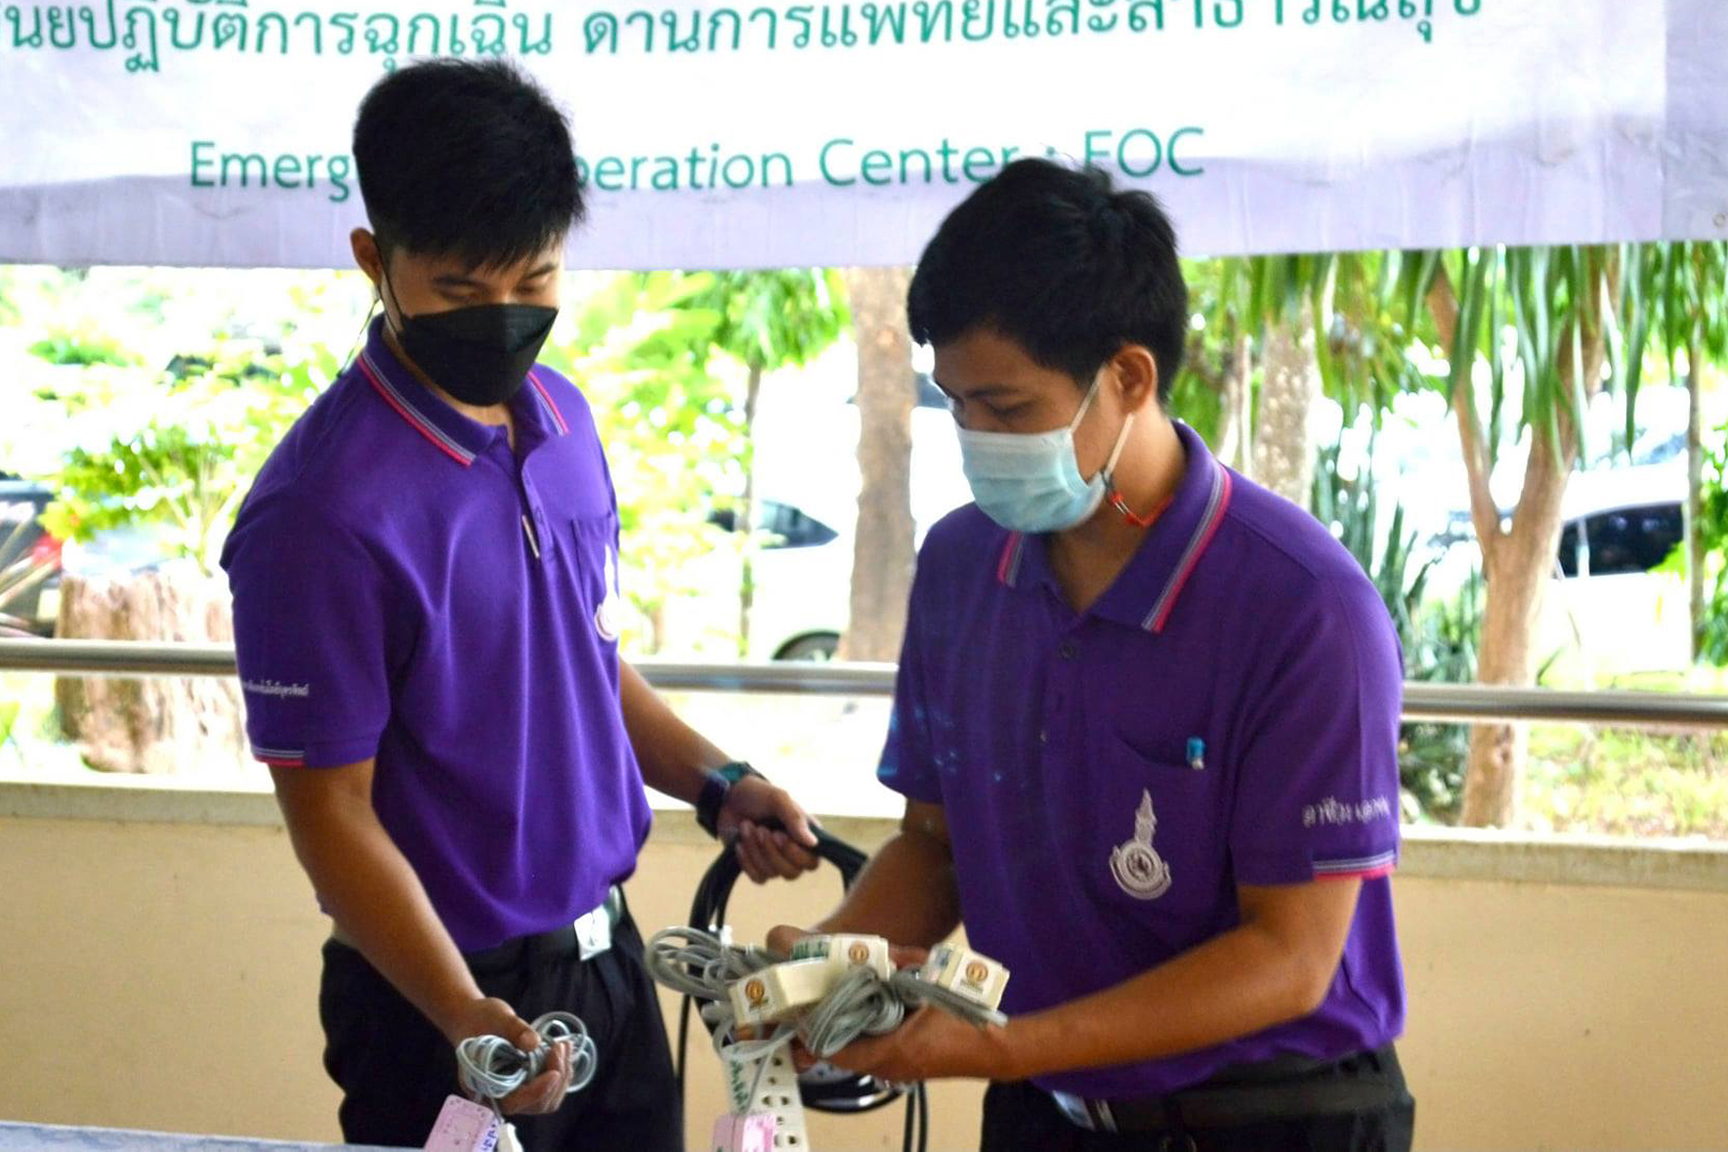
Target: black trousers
1022, 1116
395, 1069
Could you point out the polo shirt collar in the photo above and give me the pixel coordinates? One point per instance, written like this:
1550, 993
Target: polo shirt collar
457, 436
1146, 592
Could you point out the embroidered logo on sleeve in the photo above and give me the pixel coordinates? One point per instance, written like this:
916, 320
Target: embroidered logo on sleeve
275, 688
1138, 868
1332, 812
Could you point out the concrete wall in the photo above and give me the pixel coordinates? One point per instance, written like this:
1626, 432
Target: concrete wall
158, 966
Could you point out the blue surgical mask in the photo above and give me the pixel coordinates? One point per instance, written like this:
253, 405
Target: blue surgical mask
1032, 482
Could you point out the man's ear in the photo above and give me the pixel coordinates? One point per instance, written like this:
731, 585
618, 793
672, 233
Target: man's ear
368, 256
1136, 376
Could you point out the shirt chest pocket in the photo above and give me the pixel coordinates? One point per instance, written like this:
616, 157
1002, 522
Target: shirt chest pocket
592, 561
1154, 838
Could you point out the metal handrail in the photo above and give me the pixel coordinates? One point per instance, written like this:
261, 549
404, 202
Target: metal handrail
1455, 703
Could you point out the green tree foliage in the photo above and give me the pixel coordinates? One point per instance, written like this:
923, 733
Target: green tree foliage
213, 421
1712, 528
672, 364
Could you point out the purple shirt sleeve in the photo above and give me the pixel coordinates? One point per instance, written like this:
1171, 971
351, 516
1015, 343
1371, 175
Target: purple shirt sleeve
1317, 790
310, 632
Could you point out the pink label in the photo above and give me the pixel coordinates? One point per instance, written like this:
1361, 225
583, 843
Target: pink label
464, 1126
752, 1133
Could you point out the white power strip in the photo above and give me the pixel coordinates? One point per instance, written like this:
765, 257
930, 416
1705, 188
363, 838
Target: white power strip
780, 992
844, 953
818, 963
833, 989
776, 1096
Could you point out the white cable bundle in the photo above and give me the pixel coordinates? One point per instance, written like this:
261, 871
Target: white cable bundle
492, 1068
860, 1003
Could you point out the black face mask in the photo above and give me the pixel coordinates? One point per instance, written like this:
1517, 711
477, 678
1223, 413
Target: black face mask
480, 354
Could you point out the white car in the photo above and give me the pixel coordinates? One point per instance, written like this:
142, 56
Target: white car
807, 484
1608, 604
803, 575
1607, 610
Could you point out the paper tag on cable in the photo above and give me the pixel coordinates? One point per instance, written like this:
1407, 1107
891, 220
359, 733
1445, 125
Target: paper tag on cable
464, 1126
752, 1133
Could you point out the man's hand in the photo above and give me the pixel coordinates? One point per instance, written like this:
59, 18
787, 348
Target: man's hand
930, 1045
492, 1017
767, 852
782, 940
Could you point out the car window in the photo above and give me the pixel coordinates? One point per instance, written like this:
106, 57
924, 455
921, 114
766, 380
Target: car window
1569, 549
793, 527
1627, 540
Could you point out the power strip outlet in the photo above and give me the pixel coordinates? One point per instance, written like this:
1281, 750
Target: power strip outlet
775, 1097
966, 973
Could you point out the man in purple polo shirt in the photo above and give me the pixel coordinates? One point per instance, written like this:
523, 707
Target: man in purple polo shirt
1146, 722
425, 580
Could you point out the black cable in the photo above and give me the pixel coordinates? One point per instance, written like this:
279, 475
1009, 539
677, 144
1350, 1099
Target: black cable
708, 911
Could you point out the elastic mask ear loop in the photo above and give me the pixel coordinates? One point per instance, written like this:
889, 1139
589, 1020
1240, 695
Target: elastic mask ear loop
1119, 501
1109, 472
384, 274
360, 336
1091, 394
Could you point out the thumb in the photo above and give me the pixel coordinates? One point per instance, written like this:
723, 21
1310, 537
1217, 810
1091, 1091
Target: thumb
795, 820
782, 938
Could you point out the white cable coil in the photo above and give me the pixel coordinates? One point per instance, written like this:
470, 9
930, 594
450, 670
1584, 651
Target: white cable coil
861, 1002
492, 1067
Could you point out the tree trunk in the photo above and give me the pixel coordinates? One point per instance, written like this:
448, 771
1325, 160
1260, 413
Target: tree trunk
1283, 444
1516, 571
1695, 494
1517, 563
1235, 428
158, 724
747, 512
883, 553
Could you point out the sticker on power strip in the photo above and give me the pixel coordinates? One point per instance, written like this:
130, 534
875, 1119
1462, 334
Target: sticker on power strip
974, 976
464, 1126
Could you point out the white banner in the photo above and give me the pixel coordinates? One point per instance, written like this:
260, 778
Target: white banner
216, 132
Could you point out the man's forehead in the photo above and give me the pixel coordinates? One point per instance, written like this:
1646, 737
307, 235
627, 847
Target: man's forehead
469, 266
981, 358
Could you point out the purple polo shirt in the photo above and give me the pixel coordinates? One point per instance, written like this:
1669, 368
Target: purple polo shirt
407, 588
1227, 713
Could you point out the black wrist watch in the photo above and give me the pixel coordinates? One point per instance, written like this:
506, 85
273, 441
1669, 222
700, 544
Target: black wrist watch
715, 789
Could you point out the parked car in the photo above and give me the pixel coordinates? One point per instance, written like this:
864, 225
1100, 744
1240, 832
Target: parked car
807, 477
30, 560
1608, 603
33, 562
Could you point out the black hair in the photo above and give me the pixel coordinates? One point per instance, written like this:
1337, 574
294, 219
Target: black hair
1062, 263
466, 158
